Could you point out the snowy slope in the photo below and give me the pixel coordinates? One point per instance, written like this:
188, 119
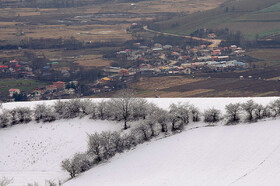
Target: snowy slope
246, 154
33, 152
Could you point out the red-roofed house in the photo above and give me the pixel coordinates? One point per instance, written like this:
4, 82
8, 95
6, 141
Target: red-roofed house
124, 72
59, 84
212, 36
13, 91
14, 61
51, 87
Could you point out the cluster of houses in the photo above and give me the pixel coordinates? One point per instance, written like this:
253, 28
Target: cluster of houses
22, 69
168, 59
16, 69
144, 60
161, 60
56, 90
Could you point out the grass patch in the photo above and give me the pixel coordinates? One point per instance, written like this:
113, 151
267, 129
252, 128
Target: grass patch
236, 15
269, 56
273, 8
270, 93
26, 85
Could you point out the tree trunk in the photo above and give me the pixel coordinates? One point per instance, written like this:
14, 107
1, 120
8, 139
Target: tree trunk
125, 125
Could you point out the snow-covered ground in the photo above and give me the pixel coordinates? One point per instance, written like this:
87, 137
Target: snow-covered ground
215, 156
201, 103
33, 152
245, 154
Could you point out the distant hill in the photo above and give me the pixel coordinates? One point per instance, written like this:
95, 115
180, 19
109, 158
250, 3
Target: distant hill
254, 18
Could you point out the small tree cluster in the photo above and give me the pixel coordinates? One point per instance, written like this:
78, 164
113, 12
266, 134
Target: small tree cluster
70, 109
4, 181
44, 113
212, 115
252, 111
79, 163
179, 114
233, 112
105, 145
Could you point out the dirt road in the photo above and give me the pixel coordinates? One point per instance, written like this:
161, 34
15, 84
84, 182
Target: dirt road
214, 42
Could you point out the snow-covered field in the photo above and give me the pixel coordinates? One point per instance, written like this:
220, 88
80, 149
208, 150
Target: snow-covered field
246, 154
206, 156
33, 152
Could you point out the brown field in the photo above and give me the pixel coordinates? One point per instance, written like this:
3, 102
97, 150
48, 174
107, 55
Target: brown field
252, 28
78, 23
182, 87
164, 94
44, 23
92, 61
231, 87
159, 83
9, 53
177, 6
269, 56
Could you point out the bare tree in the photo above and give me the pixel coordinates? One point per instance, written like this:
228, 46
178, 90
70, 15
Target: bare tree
102, 108
4, 181
59, 108
130, 140
212, 115
180, 115
275, 107
4, 119
143, 132
123, 104
139, 109
259, 112
70, 167
195, 113
44, 113
95, 146
91, 110
151, 121
267, 111
163, 119
249, 107
233, 112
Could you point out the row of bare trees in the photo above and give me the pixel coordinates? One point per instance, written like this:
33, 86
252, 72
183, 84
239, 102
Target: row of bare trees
125, 107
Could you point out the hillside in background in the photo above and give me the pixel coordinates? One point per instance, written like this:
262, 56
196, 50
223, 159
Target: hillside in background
254, 18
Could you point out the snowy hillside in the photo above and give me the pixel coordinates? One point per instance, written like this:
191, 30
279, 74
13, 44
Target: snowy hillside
218, 155
33, 152
246, 154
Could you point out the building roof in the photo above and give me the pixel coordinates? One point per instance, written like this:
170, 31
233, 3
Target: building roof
59, 82
14, 61
106, 79
13, 89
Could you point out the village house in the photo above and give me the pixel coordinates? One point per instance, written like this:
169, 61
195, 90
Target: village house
59, 84
13, 91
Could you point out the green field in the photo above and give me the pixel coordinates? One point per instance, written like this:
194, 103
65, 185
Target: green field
26, 85
251, 17
273, 8
270, 57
